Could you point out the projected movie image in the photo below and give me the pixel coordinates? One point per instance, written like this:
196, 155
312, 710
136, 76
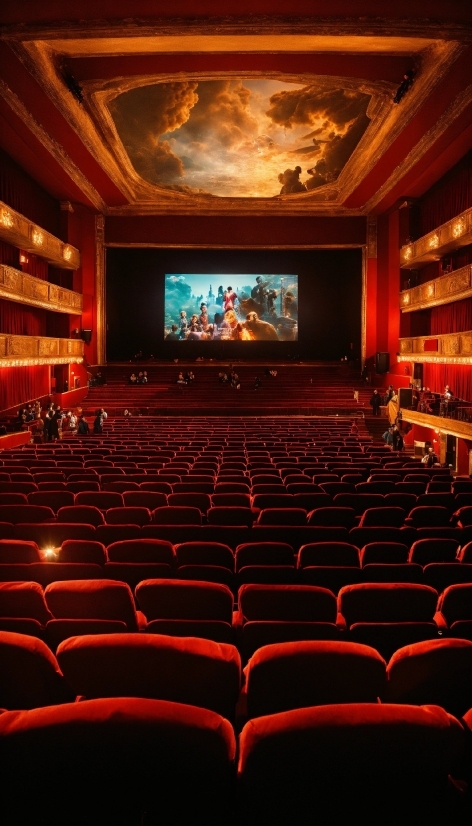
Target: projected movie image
225, 307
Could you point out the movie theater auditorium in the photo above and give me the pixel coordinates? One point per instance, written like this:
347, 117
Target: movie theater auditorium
237, 605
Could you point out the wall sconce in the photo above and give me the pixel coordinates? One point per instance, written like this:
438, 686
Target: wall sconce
37, 237
67, 253
433, 242
6, 218
23, 258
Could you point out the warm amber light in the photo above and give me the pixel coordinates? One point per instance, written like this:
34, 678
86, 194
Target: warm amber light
6, 218
37, 237
67, 253
407, 254
433, 241
458, 228
406, 298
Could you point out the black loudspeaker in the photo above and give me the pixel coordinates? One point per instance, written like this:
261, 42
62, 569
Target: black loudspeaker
382, 362
405, 397
86, 335
418, 373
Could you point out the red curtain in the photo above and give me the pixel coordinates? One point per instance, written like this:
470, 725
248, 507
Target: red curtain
9, 255
24, 195
35, 266
457, 376
20, 320
452, 318
448, 197
22, 384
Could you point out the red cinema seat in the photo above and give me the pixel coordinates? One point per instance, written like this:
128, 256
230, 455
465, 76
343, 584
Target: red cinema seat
333, 517
177, 515
434, 672
86, 514
185, 608
284, 613
23, 607
388, 517
133, 560
100, 499
184, 670
16, 551
355, 763
52, 534
232, 500
384, 553
206, 561
145, 499
82, 551
128, 516
464, 517
184, 774
51, 499
265, 562
392, 572
388, 616
93, 600
328, 553
425, 551
231, 516
13, 499
202, 501
282, 516
426, 516
455, 608
440, 575
30, 675
25, 514
292, 675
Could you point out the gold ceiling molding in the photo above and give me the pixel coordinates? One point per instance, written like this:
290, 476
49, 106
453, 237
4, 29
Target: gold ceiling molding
452, 427
17, 351
443, 290
20, 232
449, 348
93, 124
26, 289
378, 27
52, 146
450, 236
98, 96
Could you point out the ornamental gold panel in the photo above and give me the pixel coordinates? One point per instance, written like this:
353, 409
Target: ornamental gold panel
452, 235
406, 345
16, 351
22, 346
451, 345
48, 347
466, 344
453, 348
445, 289
20, 232
27, 289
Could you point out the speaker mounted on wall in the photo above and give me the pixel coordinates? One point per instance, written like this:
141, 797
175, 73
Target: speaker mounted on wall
86, 335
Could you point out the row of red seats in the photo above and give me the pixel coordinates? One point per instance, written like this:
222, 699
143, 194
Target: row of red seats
385, 616
346, 762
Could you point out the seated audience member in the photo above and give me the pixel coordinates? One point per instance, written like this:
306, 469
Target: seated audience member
133, 379
145, 377
100, 379
181, 378
189, 377
83, 427
3, 430
173, 335
257, 383
139, 380
72, 422
430, 458
126, 412
98, 423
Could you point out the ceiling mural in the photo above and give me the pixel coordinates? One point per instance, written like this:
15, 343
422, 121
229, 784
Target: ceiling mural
239, 137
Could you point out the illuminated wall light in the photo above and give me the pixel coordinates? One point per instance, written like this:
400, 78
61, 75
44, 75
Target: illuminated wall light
433, 241
6, 218
408, 253
23, 258
431, 289
406, 298
67, 253
37, 237
458, 228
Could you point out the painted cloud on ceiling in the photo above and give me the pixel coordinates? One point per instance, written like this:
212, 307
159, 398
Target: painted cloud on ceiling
240, 138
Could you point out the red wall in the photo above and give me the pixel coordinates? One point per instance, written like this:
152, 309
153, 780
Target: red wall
227, 231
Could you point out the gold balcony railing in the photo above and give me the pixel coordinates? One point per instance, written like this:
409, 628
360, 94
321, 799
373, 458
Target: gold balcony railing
443, 290
20, 232
26, 289
18, 351
431, 247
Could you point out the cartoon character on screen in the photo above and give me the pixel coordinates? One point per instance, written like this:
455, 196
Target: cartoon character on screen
220, 297
183, 324
229, 300
203, 318
231, 328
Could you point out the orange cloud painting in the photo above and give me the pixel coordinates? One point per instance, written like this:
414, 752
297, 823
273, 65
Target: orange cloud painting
238, 137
